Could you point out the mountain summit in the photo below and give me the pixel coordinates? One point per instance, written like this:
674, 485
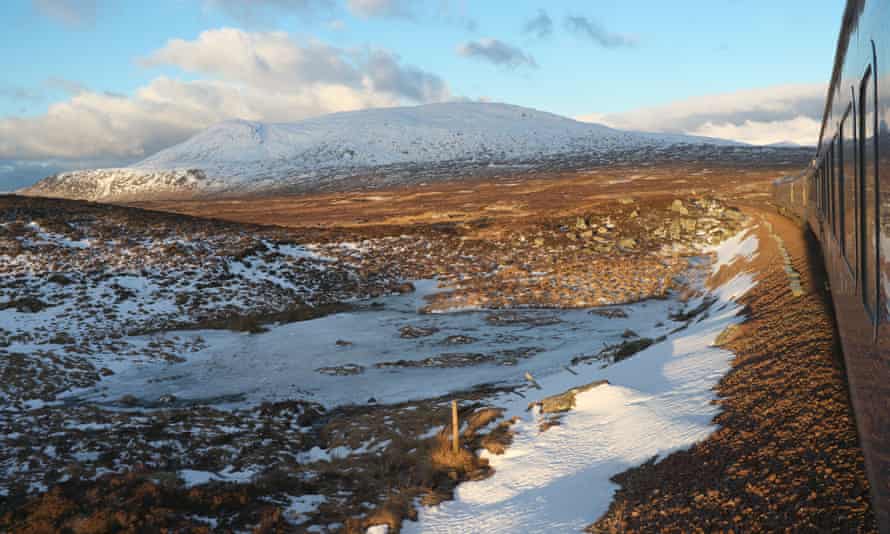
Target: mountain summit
240, 156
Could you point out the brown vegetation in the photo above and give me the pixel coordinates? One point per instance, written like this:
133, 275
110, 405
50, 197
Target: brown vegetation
786, 455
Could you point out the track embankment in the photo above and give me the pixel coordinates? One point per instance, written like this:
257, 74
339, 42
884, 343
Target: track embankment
786, 455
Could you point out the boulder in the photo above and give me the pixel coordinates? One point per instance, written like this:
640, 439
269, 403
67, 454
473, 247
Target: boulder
733, 214
627, 243
414, 332
406, 287
675, 230
564, 401
688, 225
678, 207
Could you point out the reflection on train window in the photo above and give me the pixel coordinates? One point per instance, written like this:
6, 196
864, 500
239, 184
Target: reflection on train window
849, 156
883, 170
832, 190
868, 195
837, 160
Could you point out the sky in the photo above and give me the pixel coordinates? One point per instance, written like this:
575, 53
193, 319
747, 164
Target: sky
99, 83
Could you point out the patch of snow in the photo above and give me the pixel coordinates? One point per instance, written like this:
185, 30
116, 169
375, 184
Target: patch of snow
281, 363
743, 245
656, 402
302, 505
193, 477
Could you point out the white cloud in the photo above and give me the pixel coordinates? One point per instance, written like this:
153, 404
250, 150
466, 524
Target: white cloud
497, 52
800, 130
758, 116
257, 76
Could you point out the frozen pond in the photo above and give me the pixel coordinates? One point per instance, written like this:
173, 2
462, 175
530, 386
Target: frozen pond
453, 351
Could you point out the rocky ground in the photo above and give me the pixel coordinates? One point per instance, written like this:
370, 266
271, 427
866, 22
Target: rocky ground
786, 456
80, 281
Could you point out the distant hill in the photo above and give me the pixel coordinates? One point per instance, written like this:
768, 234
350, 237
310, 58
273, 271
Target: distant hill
251, 157
785, 144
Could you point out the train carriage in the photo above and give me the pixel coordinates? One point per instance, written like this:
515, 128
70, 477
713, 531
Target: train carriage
844, 197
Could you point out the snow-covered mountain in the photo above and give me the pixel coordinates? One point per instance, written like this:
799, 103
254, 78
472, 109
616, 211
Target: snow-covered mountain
242, 157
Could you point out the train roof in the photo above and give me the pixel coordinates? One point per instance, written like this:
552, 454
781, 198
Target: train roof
852, 13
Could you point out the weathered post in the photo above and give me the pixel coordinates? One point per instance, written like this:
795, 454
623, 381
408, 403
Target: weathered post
455, 428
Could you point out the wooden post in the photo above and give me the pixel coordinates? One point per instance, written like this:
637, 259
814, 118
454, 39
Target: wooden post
455, 428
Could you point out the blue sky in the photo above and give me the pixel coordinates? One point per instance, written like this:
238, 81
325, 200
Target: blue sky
102, 82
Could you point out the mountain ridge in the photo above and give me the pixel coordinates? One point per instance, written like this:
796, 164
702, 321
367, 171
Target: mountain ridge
254, 157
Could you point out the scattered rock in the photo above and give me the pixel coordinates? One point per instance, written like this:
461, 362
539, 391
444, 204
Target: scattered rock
458, 340
406, 287
414, 332
348, 369
512, 317
678, 207
628, 243
609, 313
733, 214
564, 401
59, 279
25, 305
129, 400
442, 361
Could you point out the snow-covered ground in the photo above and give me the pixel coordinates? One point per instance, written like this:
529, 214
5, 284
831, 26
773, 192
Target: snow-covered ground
301, 360
249, 156
656, 402
96, 331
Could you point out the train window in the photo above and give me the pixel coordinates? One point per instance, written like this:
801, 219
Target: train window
814, 191
838, 190
817, 190
832, 178
826, 187
868, 195
825, 181
841, 188
848, 155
